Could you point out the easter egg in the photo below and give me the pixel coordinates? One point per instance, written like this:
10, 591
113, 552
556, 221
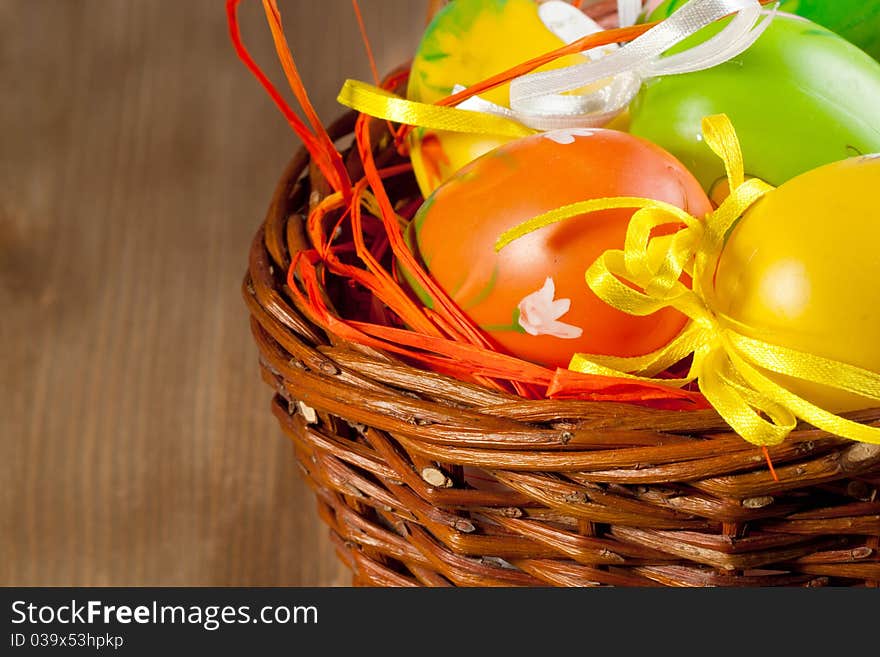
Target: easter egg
800, 270
800, 97
471, 40
857, 21
531, 297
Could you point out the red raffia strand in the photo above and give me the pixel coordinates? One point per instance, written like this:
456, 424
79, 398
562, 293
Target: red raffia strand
391, 295
618, 35
588, 42
447, 309
441, 338
298, 126
323, 157
384, 278
398, 245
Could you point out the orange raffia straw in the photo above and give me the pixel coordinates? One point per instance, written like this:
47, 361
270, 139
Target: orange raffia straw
770, 463
243, 54
416, 346
588, 42
327, 159
326, 156
373, 68
363, 29
339, 179
386, 284
396, 240
446, 308
470, 362
374, 278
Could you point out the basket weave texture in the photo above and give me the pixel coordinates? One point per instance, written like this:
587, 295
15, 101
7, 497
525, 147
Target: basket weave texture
425, 480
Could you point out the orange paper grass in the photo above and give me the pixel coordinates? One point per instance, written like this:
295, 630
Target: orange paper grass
441, 338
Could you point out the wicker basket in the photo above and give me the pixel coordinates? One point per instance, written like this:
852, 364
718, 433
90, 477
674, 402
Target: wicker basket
427, 480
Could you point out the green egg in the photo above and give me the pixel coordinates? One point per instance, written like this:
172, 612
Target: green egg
857, 21
799, 98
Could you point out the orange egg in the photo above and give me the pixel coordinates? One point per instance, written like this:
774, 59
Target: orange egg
532, 297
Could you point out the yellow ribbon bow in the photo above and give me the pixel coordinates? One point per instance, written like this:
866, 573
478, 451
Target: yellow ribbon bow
728, 366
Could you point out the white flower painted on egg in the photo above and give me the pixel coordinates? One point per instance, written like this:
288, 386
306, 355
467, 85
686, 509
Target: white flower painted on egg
539, 314
568, 135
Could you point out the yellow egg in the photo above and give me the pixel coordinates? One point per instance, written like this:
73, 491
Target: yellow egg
467, 42
801, 270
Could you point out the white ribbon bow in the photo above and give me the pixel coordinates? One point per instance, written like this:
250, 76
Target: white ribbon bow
539, 101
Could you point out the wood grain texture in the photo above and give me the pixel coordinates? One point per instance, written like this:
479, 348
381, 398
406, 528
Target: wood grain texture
137, 159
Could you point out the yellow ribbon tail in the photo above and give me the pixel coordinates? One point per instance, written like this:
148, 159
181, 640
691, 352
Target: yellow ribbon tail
753, 415
647, 366
582, 363
750, 356
720, 135
586, 207
382, 104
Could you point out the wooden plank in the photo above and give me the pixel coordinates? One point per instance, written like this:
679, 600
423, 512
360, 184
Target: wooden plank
138, 157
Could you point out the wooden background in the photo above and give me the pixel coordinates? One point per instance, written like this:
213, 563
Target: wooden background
136, 160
